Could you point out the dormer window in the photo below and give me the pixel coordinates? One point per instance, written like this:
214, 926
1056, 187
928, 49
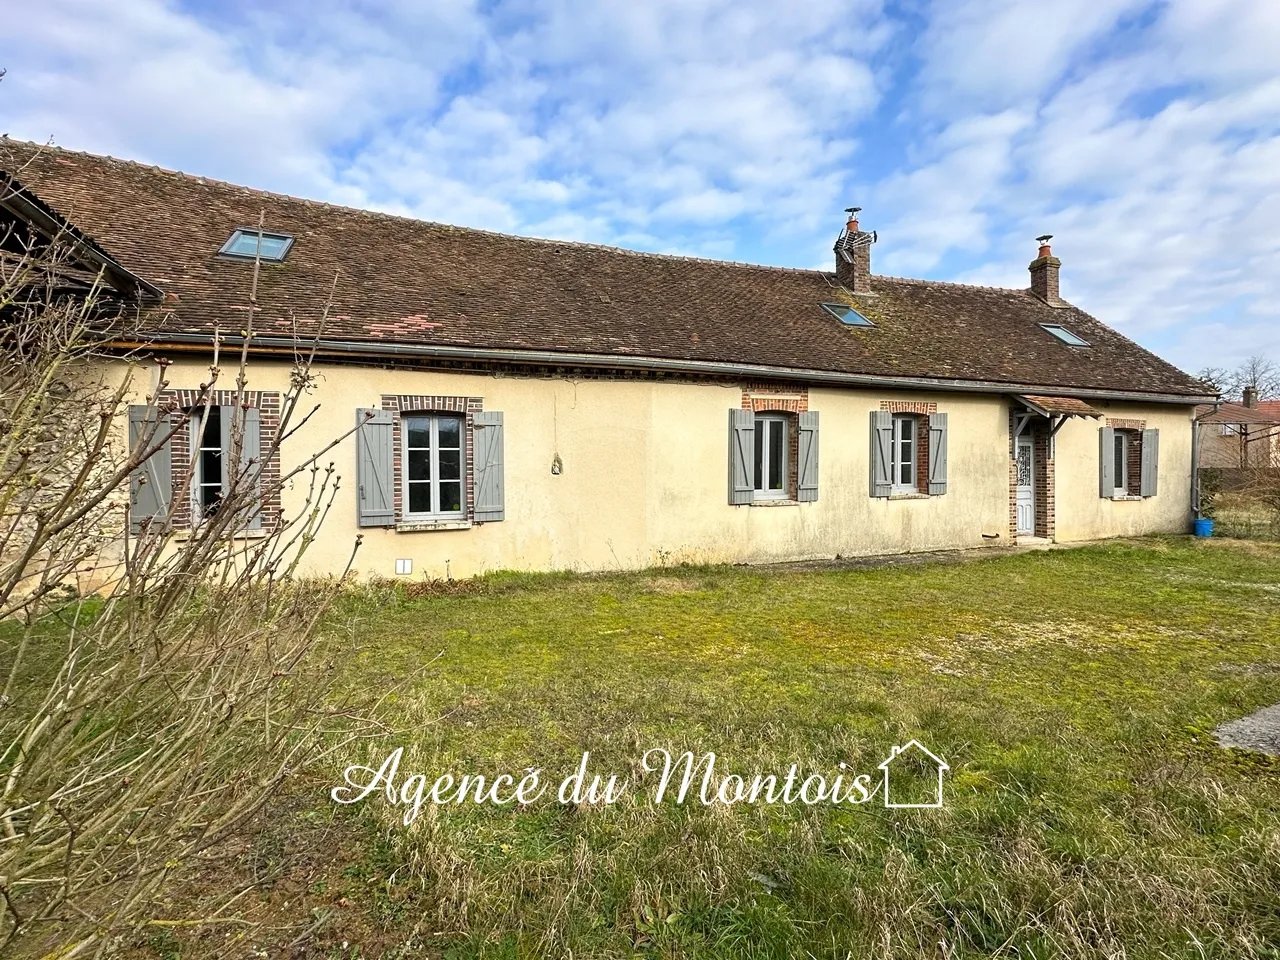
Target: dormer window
247, 243
1065, 335
847, 315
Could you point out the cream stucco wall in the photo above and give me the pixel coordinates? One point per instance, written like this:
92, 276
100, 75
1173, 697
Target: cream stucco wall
644, 477
1084, 515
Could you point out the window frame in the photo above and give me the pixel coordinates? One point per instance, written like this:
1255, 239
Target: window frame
1120, 448
1063, 335
904, 424
759, 492
197, 420
433, 456
842, 312
252, 233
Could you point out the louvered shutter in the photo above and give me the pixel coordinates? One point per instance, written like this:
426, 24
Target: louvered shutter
151, 483
1150, 462
742, 446
937, 454
488, 464
375, 466
1106, 463
881, 452
807, 485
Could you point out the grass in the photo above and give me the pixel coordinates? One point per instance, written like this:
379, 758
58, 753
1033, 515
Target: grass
1087, 812
1245, 517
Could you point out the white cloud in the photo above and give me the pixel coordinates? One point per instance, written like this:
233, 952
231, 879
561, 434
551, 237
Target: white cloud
1144, 134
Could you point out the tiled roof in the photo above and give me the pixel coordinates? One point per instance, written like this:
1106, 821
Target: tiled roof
1267, 412
405, 281
1068, 406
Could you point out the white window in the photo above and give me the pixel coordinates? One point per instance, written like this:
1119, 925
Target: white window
902, 473
1120, 463
433, 467
771, 457
1230, 430
206, 440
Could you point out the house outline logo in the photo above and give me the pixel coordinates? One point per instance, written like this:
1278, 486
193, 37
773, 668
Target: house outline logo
894, 753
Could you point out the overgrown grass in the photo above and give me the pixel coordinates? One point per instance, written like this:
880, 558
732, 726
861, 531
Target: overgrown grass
1087, 812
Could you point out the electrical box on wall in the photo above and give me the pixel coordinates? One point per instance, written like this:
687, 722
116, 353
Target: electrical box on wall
404, 567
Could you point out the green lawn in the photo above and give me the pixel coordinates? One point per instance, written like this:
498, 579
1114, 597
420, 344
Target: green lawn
1087, 812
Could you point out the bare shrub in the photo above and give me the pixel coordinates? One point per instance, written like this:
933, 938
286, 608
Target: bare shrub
143, 724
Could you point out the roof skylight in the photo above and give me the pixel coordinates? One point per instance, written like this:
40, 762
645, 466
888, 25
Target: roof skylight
244, 245
1065, 335
847, 315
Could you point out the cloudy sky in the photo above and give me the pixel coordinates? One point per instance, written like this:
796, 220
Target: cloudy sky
1144, 135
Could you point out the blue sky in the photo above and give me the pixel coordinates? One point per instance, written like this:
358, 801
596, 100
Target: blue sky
1144, 135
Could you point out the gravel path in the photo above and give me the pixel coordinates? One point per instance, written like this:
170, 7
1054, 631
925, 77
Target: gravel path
1258, 731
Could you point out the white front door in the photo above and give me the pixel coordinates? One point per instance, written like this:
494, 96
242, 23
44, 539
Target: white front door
1026, 495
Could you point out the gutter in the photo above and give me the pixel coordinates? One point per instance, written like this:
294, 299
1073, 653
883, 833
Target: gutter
360, 348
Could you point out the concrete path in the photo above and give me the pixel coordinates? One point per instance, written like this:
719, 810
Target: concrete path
1258, 731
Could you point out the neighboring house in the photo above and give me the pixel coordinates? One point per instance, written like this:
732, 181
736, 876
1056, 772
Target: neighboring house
1240, 434
538, 404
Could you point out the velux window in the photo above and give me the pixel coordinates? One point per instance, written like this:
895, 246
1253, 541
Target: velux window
771, 457
903, 466
1065, 335
246, 243
206, 440
847, 315
433, 457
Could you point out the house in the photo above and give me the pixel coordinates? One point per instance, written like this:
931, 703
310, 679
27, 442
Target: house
1235, 435
536, 404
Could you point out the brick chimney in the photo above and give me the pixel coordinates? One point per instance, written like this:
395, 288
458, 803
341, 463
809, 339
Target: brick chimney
853, 255
1250, 396
1044, 273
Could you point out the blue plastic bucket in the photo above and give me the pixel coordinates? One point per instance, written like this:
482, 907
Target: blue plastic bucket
1204, 527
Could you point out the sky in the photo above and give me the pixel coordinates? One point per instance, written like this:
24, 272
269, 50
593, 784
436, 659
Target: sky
1145, 136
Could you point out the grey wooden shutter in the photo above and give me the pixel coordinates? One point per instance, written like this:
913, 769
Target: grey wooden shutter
1106, 464
151, 483
937, 454
375, 466
1150, 462
881, 452
248, 469
807, 485
488, 463
742, 456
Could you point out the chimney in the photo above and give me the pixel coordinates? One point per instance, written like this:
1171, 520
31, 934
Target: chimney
1250, 396
1044, 273
853, 255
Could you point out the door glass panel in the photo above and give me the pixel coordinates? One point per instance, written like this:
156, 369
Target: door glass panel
1024, 465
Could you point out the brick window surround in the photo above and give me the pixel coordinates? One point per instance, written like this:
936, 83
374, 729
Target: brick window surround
921, 411
268, 406
400, 404
790, 401
1133, 429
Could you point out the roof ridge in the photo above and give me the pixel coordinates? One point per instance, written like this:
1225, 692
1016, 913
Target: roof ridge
365, 212
923, 282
